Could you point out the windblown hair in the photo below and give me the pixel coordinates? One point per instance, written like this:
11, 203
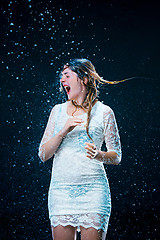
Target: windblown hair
85, 69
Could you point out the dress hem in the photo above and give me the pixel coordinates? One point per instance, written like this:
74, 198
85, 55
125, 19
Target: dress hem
78, 226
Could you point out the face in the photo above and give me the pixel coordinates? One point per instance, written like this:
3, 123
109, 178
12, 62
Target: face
73, 85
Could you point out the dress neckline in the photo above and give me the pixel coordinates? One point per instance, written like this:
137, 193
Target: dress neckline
80, 114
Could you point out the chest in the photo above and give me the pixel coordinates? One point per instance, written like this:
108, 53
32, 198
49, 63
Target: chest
96, 123
75, 111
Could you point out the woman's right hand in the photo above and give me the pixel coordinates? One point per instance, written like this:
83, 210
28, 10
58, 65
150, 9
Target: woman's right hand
71, 124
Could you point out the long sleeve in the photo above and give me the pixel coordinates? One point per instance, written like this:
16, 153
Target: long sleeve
48, 133
111, 134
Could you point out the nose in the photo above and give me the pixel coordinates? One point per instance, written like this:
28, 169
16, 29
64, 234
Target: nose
62, 80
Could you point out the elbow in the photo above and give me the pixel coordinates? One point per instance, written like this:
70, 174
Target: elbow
118, 159
117, 162
41, 154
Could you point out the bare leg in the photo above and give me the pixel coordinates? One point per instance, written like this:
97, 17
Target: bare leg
63, 233
92, 234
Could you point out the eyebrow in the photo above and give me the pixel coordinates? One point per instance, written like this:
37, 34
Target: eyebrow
65, 73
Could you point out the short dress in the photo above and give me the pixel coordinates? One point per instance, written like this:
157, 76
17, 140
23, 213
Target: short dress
79, 192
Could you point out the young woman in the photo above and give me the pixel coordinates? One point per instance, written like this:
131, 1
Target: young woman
79, 196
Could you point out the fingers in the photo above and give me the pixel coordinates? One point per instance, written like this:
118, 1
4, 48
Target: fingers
77, 122
90, 145
91, 150
92, 155
72, 123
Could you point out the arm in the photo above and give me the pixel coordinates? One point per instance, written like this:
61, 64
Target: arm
47, 150
112, 140
49, 143
108, 157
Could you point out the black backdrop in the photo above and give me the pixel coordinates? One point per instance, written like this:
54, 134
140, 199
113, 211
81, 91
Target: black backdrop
121, 38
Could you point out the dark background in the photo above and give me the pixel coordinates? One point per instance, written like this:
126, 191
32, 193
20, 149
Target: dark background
121, 38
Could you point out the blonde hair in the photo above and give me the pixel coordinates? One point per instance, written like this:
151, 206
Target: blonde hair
85, 69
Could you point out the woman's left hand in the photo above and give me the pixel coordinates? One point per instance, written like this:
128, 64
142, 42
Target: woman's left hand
92, 152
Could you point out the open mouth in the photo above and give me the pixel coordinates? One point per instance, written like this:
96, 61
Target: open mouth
67, 89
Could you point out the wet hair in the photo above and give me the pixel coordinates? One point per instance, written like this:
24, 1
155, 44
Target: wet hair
85, 69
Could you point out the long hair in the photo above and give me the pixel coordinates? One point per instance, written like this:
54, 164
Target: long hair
85, 69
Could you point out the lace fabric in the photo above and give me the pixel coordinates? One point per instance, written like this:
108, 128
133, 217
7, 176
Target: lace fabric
48, 133
79, 193
95, 220
111, 133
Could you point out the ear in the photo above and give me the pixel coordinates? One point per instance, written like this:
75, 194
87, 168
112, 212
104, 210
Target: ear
85, 80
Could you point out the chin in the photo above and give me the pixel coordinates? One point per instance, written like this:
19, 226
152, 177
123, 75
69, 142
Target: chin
71, 98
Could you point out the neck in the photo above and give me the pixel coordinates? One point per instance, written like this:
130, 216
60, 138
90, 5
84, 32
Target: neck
80, 98
78, 103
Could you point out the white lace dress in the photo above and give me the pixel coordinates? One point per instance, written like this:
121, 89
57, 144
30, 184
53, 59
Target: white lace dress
79, 193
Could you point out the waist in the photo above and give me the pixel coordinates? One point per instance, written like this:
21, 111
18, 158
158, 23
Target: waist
63, 182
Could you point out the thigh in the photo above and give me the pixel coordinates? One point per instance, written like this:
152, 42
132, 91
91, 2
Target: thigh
92, 234
63, 233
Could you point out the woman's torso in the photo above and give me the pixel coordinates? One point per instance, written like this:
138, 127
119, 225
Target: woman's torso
70, 164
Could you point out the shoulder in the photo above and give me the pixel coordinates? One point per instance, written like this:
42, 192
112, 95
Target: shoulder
105, 108
58, 106
107, 111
